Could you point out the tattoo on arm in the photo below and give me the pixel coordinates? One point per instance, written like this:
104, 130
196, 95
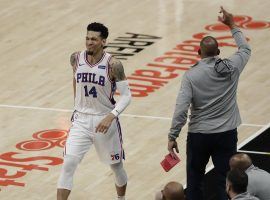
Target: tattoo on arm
74, 87
73, 64
73, 59
117, 71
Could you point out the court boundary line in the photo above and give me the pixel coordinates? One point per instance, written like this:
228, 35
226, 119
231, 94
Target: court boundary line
124, 115
264, 127
247, 140
254, 152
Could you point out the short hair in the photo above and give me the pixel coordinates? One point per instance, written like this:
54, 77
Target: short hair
173, 191
209, 46
240, 161
98, 27
238, 180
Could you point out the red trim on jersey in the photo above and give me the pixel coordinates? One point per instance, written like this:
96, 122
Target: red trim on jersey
120, 138
90, 65
111, 95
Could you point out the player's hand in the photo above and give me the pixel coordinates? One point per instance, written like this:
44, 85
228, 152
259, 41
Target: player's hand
173, 145
227, 18
105, 124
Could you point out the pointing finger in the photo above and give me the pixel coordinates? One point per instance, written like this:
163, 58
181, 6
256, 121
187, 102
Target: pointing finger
221, 9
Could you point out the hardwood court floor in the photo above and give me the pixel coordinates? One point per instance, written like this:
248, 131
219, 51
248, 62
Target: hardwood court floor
37, 38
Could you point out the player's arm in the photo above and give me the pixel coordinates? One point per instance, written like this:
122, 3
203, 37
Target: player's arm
117, 75
179, 119
241, 57
73, 63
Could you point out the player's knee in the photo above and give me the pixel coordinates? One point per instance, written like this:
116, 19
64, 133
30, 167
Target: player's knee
120, 174
70, 163
66, 177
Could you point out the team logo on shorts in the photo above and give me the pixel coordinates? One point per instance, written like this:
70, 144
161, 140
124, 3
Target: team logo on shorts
115, 156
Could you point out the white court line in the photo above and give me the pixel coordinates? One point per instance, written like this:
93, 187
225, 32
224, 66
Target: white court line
34, 108
253, 136
126, 115
264, 127
254, 152
245, 142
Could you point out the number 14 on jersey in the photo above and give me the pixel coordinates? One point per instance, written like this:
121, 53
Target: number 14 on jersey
91, 92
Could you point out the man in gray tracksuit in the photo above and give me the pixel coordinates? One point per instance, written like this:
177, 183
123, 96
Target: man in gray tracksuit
210, 88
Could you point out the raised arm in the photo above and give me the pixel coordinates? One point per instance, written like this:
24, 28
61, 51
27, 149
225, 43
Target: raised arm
240, 58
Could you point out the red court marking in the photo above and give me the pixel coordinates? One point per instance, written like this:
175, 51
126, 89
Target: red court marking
240, 19
60, 143
217, 27
256, 25
53, 134
35, 145
6, 182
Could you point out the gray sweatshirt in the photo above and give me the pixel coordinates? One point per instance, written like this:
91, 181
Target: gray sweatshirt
245, 196
258, 182
209, 89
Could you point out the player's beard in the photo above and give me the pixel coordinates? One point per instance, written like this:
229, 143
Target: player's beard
90, 53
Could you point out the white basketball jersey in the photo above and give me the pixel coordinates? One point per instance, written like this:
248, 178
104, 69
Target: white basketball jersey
94, 89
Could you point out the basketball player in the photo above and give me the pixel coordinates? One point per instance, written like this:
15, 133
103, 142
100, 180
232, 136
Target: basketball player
95, 120
210, 88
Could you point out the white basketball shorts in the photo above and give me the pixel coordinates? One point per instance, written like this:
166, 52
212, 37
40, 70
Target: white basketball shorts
82, 136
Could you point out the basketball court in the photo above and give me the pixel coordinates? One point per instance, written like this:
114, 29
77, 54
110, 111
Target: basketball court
157, 41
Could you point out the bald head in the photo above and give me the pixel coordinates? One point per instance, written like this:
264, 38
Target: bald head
173, 191
208, 47
240, 161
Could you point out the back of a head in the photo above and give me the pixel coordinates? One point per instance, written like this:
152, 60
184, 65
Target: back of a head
209, 47
238, 181
98, 27
173, 191
240, 161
